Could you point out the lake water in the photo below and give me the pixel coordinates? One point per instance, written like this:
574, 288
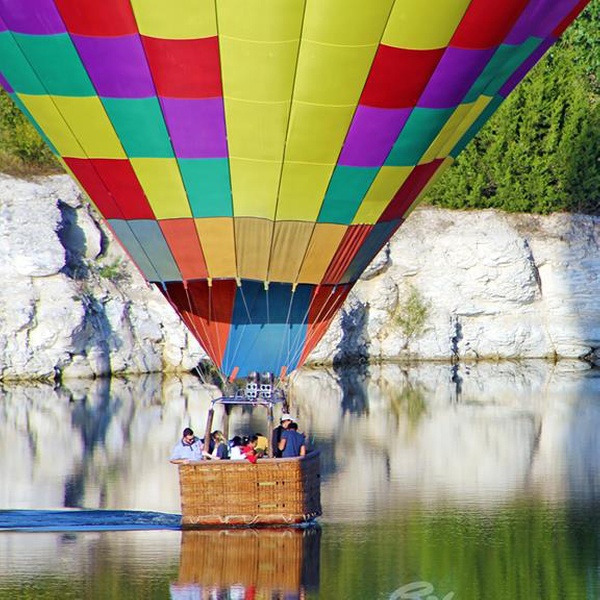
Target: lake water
438, 482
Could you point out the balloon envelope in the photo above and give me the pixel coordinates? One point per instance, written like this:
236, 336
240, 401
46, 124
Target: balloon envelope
252, 156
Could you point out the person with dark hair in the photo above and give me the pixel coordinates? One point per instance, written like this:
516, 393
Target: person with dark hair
292, 443
235, 450
284, 422
249, 449
188, 449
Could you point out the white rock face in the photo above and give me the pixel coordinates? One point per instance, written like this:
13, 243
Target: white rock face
492, 285
71, 303
485, 284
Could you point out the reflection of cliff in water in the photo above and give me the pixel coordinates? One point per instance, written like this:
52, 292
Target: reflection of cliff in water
516, 429
96, 444
248, 563
91, 421
353, 383
352, 379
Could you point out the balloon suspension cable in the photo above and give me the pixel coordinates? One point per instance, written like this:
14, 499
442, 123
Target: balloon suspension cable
200, 375
282, 382
267, 303
286, 338
240, 287
234, 353
192, 309
296, 341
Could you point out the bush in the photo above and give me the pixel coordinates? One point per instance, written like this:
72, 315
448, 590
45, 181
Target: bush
411, 315
22, 150
541, 151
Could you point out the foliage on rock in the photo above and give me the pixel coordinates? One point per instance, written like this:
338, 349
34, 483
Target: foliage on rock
411, 315
22, 150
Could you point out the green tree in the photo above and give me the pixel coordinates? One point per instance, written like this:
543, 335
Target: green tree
583, 34
541, 151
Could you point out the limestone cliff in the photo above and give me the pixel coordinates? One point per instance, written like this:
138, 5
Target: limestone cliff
485, 284
450, 285
71, 304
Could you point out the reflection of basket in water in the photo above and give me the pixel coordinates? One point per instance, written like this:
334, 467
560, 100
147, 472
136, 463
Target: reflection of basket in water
272, 491
267, 560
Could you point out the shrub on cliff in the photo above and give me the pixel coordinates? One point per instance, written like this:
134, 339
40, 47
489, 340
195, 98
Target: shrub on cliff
540, 152
22, 150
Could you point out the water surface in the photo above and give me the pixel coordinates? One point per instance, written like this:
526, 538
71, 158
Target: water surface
438, 482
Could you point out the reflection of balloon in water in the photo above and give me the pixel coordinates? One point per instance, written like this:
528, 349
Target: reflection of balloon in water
253, 156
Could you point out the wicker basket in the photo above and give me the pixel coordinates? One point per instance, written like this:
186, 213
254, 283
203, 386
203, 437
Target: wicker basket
272, 491
268, 560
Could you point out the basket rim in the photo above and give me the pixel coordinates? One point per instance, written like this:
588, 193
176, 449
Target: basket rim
209, 464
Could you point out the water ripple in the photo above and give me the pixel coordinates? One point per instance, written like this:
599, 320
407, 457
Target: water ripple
86, 520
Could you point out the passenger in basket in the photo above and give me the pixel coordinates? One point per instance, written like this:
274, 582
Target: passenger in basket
235, 451
262, 445
188, 449
249, 449
284, 421
220, 449
292, 443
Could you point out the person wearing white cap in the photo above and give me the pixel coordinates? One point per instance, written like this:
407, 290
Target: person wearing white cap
284, 421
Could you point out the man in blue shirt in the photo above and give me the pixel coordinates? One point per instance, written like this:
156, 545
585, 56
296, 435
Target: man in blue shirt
188, 449
292, 443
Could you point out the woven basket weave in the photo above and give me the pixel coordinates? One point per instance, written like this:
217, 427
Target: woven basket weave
272, 491
266, 559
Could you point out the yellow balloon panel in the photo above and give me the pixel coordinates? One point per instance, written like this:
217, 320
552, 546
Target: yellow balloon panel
254, 186
257, 130
332, 75
262, 72
303, 186
161, 181
316, 132
44, 111
346, 22
175, 19
265, 20
416, 25
382, 190
90, 124
456, 126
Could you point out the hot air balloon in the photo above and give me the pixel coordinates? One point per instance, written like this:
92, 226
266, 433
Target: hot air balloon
253, 156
